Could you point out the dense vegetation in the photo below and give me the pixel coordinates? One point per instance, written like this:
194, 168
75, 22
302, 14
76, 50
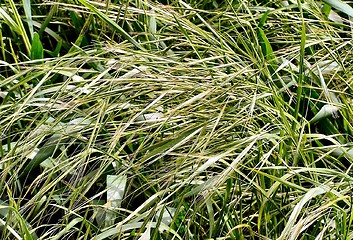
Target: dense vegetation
176, 119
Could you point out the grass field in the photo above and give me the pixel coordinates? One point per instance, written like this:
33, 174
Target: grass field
175, 119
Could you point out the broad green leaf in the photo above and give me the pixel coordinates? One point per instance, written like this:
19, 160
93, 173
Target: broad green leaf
326, 9
37, 51
263, 19
266, 47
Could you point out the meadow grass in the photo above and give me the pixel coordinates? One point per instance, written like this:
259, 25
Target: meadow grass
176, 119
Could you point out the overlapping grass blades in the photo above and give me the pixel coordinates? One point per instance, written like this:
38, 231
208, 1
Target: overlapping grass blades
175, 120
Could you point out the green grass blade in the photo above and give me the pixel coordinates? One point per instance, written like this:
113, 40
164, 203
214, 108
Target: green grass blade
45, 24
265, 45
301, 67
113, 24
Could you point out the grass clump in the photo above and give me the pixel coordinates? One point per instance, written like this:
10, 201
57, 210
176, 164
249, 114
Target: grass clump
175, 120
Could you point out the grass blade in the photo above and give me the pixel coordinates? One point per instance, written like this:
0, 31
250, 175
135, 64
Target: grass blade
22, 29
113, 24
28, 13
341, 6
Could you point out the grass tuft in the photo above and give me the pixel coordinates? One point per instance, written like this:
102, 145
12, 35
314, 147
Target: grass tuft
175, 120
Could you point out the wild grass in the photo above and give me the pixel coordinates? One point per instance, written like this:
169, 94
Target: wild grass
176, 120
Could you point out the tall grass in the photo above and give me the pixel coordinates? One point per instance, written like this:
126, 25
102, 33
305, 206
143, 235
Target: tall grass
176, 120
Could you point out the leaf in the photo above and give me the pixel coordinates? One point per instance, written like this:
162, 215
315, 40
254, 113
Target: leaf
211, 215
50, 15
116, 185
265, 44
150, 117
167, 215
285, 3
287, 233
28, 13
333, 16
54, 35
263, 19
147, 234
326, 9
108, 233
46, 151
266, 47
326, 111
37, 51
152, 25
343, 151
341, 6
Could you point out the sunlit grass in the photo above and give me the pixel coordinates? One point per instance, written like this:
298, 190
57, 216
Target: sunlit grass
182, 120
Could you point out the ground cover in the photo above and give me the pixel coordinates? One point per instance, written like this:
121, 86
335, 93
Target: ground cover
176, 119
